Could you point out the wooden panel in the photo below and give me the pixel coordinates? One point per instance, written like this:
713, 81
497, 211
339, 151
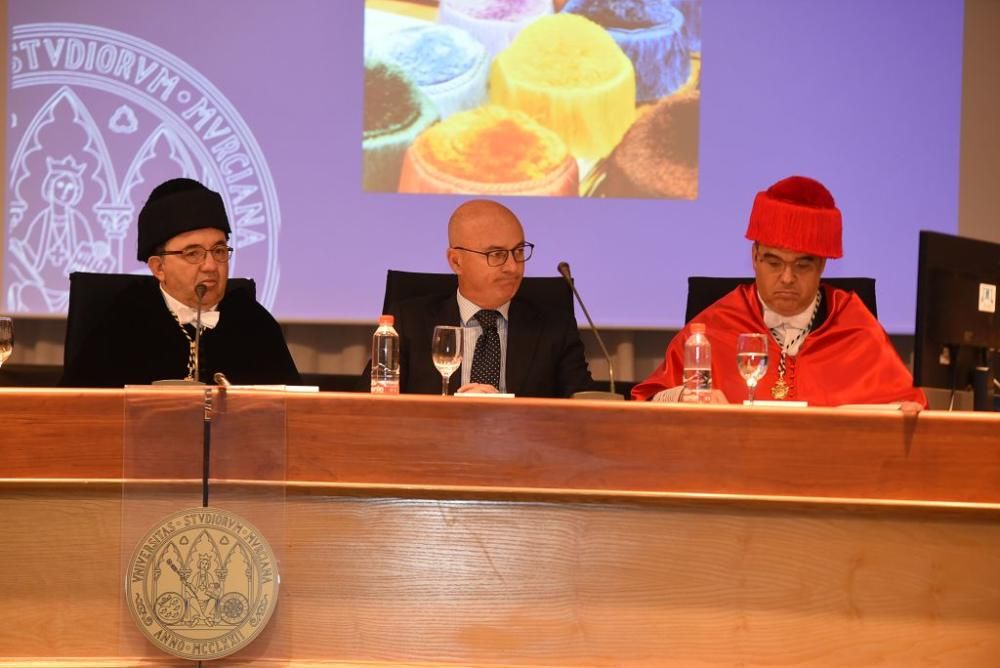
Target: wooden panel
393, 581
621, 585
61, 433
59, 571
553, 445
428, 531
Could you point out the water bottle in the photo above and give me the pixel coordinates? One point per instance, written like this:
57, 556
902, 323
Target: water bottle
697, 367
385, 357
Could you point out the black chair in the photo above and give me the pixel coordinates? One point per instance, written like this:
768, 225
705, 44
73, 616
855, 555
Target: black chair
91, 295
703, 291
545, 291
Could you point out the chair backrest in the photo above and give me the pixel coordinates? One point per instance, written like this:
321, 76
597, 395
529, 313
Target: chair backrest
543, 291
91, 295
703, 291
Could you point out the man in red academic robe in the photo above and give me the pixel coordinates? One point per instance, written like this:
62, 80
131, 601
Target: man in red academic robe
825, 347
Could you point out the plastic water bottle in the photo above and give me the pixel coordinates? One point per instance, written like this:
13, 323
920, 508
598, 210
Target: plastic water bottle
385, 357
697, 367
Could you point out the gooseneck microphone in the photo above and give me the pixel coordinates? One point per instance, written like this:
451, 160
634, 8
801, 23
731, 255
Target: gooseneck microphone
199, 292
612, 395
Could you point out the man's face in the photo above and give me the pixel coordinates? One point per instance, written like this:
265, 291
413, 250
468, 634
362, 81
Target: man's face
179, 277
486, 230
787, 281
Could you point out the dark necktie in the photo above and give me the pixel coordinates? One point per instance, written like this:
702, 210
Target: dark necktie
486, 360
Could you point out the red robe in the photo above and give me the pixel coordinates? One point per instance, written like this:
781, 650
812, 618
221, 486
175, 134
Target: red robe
848, 359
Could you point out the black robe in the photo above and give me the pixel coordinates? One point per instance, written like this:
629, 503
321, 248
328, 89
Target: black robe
139, 341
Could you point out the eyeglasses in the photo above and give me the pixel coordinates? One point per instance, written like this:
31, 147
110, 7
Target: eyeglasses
498, 257
799, 266
197, 254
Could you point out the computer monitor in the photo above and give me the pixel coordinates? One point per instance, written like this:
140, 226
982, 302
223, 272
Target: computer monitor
958, 318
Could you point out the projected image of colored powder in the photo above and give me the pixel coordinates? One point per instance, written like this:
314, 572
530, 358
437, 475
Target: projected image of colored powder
691, 9
497, 10
395, 112
567, 73
624, 14
490, 150
447, 63
390, 100
658, 158
651, 35
495, 23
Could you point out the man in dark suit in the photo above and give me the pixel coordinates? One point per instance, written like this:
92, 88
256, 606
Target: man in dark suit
510, 343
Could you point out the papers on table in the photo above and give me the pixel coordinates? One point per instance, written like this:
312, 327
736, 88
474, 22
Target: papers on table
871, 407
186, 385
485, 395
767, 403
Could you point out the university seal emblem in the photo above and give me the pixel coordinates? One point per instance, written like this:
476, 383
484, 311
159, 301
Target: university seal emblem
202, 584
98, 118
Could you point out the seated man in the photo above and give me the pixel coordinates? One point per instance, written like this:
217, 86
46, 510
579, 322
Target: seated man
825, 346
149, 333
511, 344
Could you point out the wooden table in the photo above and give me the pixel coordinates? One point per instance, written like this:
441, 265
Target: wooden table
429, 531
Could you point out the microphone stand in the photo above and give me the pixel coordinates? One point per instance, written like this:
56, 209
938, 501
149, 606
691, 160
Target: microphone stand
199, 292
223, 384
592, 394
206, 450
207, 407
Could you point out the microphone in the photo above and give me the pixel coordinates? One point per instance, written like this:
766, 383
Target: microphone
612, 395
220, 379
199, 292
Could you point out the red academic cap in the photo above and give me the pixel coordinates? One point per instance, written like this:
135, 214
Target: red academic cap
797, 213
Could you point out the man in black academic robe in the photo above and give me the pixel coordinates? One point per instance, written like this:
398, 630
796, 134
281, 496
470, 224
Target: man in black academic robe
148, 334
140, 341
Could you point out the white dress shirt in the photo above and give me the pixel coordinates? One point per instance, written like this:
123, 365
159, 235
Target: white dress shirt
187, 315
789, 328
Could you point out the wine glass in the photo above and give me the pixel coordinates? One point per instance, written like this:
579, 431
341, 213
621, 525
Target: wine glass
751, 358
446, 351
6, 339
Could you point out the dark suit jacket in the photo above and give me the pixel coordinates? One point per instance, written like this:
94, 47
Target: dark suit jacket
545, 357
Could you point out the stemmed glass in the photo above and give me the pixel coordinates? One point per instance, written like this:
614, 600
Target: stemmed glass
751, 358
446, 351
6, 339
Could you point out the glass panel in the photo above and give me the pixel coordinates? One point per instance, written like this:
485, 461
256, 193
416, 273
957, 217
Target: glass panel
203, 582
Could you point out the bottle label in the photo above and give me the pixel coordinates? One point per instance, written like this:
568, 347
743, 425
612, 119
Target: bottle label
385, 388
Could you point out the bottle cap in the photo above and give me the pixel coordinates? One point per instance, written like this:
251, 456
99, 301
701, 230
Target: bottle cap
386, 320
697, 328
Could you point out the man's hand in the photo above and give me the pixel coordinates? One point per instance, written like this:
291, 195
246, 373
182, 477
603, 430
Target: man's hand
481, 388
